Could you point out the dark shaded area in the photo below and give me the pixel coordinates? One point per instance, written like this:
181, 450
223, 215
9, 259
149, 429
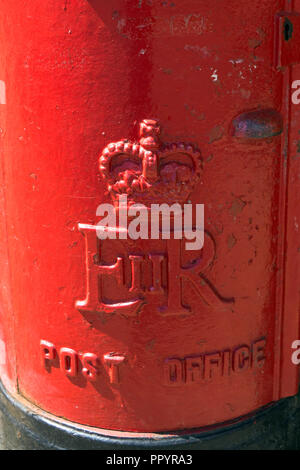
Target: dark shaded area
257, 124
273, 428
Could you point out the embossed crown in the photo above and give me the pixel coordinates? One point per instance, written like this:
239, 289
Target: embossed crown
148, 171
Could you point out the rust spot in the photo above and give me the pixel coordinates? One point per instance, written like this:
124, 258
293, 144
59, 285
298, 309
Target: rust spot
231, 241
237, 206
150, 345
254, 43
216, 134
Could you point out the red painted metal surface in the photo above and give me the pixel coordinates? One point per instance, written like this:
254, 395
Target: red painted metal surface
134, 335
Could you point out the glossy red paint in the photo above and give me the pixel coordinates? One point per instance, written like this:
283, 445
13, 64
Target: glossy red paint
207, 341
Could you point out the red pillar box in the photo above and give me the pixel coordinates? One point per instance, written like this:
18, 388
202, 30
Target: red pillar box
116, 339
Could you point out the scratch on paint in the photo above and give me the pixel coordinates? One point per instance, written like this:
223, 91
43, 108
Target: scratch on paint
214, 75
2, 92
2, 353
